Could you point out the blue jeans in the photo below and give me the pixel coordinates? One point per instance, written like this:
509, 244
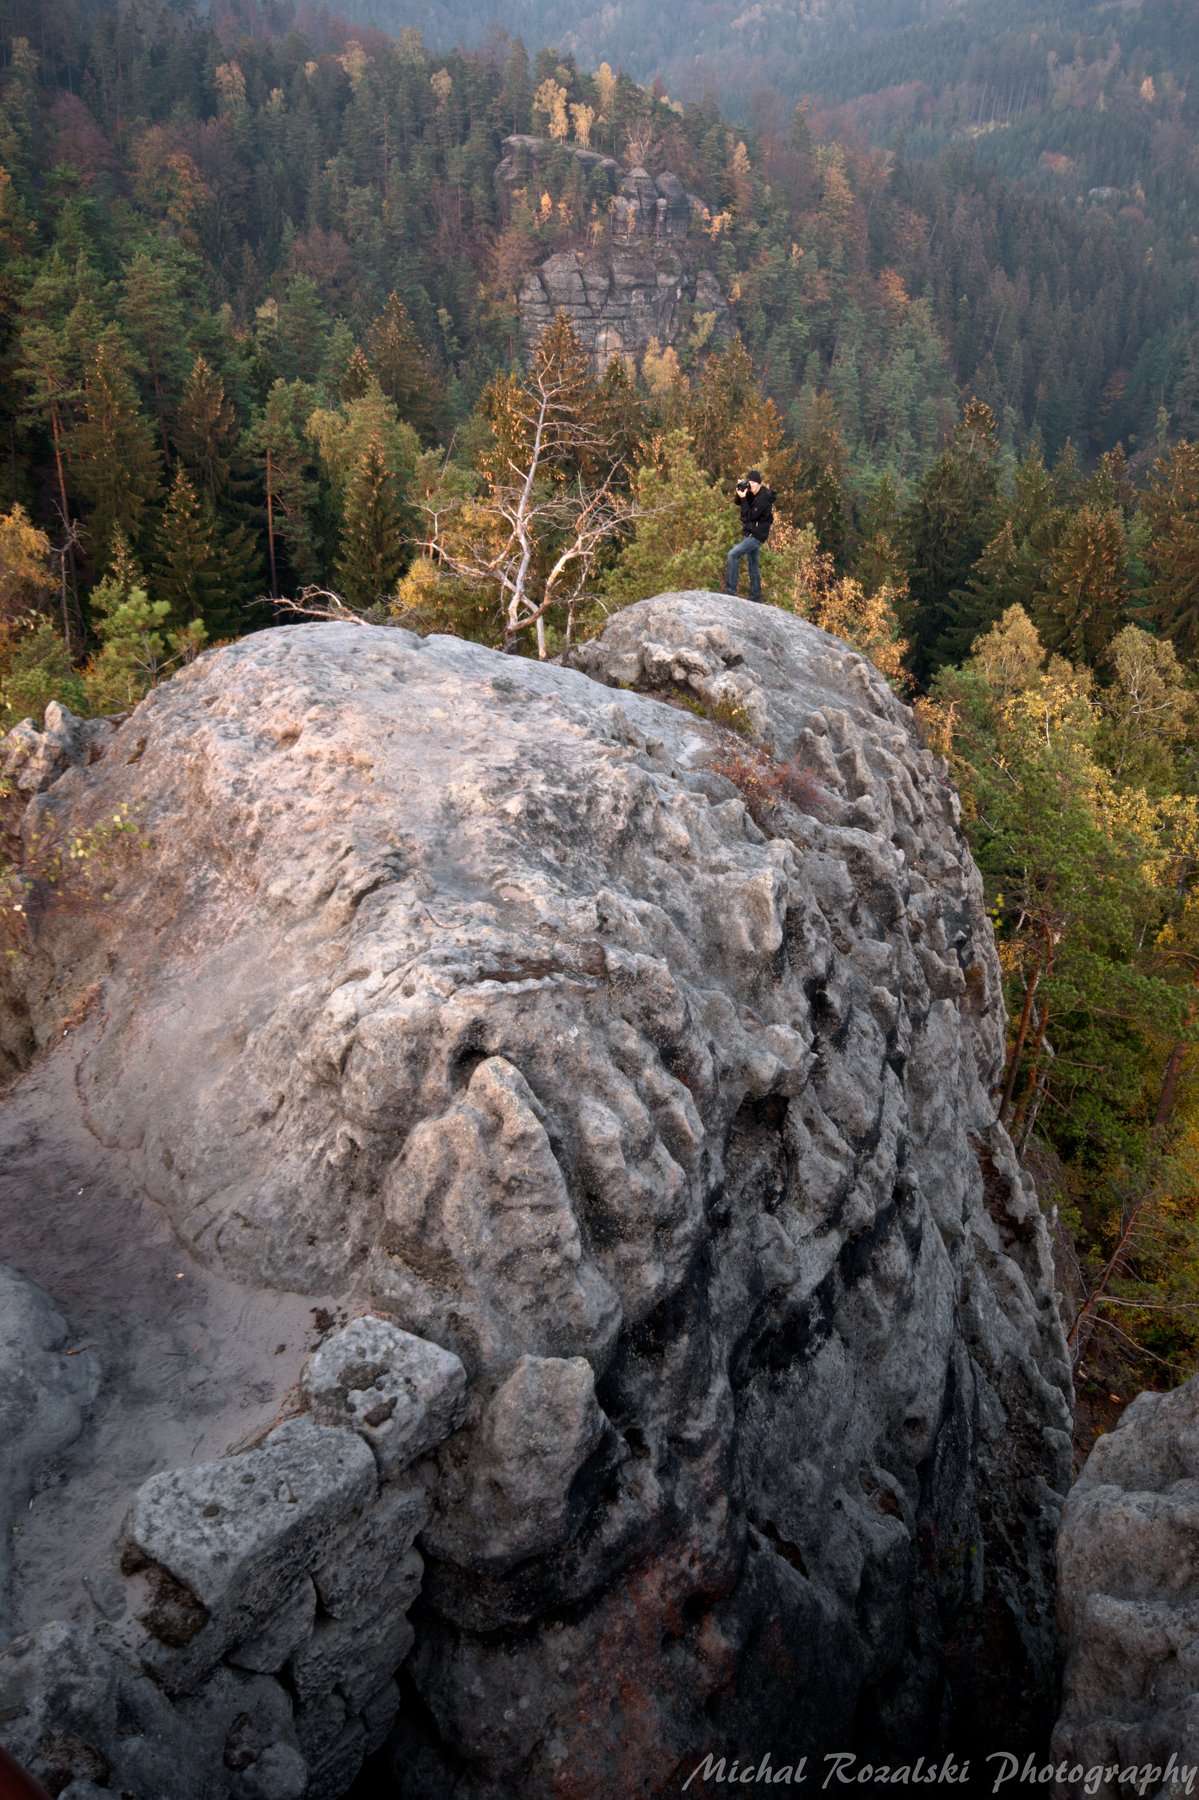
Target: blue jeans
748, 548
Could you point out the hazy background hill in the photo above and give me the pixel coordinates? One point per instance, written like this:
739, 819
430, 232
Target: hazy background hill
1068, 96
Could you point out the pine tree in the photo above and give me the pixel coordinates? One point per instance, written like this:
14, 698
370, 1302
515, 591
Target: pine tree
117, 465
371, 555
404, 370
682, 540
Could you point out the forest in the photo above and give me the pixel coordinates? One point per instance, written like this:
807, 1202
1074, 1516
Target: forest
258, 351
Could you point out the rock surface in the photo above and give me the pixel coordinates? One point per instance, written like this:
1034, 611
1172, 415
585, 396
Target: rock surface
1129, 1593
470, 990
640, 277
44, 1393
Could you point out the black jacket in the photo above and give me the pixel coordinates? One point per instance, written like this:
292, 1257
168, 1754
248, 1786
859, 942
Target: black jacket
757, 513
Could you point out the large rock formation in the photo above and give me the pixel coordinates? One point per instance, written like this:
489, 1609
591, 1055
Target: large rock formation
1129, 1598
647, 1070
639, 281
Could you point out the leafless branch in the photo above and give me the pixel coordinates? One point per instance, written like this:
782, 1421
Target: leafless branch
317, 603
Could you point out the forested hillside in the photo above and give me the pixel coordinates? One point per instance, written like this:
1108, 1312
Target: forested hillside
258, 345
1070, 94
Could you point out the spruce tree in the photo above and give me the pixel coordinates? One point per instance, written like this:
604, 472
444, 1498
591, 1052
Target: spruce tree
303, 330
202, 572
278, 449
951, 519
1171, 509
404, 370
735, 427
371, 553
357, 376
206, 434
822, 491
153, 311
1079, 609
117, 465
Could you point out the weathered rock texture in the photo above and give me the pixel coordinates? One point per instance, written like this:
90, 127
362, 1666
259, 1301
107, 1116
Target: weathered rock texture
1129, 1594
469, 989
639, 280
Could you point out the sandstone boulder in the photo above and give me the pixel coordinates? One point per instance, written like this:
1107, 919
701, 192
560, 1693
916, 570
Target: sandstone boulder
1128, 1566
478, 993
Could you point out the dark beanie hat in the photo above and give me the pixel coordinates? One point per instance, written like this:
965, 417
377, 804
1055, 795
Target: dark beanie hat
754, 475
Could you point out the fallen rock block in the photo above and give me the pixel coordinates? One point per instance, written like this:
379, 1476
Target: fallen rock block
403, 1394
231, 1536
72, 1711
362, 1562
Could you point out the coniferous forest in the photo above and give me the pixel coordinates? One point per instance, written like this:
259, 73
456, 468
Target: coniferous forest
260, 348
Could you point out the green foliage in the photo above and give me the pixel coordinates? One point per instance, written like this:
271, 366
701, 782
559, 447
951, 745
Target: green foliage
112, 451
78, 870
680, 539
951, 519
137, 645
372, 550
403, 368
35, 668
1171, 508
1088, 847
206, 434
199, 570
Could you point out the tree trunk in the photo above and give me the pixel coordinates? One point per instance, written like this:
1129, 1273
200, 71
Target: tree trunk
1031, 1085
270, 527
69, 547
1013, 1067
1165, 1105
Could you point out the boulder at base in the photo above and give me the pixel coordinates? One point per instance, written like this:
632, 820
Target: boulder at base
1129, 1596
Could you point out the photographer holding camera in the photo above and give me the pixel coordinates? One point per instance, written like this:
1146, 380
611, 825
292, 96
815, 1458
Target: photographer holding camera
757, 515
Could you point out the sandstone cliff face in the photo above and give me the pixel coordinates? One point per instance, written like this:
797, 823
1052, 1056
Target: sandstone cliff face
1128, 1602
468, 990
639, 281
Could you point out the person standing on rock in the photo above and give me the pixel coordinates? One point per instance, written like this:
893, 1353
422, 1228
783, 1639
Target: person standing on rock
757, 516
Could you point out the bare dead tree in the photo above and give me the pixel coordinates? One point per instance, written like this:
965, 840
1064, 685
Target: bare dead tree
536, 533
